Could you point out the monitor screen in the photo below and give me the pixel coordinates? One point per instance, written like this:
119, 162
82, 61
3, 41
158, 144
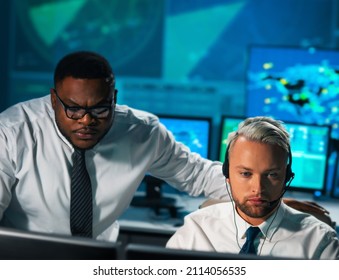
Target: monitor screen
228, 124
194, 132
294, 84
22, 245
310, 150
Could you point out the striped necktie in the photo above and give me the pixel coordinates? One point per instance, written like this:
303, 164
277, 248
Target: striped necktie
81, 197
251, 234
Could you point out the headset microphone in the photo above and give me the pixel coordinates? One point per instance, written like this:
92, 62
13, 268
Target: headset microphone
273, 202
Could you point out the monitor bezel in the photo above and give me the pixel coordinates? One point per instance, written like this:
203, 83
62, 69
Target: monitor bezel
17, 244
135, 251
334, 192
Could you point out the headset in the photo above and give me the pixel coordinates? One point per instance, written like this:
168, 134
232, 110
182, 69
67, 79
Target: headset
289, 173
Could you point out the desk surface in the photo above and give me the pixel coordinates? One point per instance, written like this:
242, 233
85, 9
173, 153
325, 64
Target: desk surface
145, 219
136, 218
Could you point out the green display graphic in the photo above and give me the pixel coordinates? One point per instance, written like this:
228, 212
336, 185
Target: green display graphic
120, 30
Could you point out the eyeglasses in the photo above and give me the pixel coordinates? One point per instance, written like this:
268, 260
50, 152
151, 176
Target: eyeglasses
78, 112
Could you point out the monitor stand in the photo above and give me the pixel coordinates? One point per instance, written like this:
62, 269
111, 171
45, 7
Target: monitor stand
154, 198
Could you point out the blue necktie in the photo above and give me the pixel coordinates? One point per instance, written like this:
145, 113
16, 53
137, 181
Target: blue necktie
251, 234
81, 197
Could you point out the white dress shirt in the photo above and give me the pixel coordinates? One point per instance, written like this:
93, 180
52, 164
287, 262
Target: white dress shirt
288, 233
35, 161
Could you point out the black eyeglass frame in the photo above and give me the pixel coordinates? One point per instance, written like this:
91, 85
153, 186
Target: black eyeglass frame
70, 111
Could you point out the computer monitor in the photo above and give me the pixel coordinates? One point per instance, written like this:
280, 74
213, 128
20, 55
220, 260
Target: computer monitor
23, 245
195, 133
335, 186
310, 151
294, 85
151, 252
228, 124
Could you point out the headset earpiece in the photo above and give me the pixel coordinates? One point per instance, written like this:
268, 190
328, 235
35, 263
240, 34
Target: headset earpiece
225, 166
289, 173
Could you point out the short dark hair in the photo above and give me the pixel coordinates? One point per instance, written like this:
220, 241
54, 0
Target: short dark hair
84, 65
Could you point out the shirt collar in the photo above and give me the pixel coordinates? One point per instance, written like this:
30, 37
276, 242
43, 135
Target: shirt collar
267, 228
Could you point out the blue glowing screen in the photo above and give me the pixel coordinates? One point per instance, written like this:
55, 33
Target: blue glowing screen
294, 84
193, 132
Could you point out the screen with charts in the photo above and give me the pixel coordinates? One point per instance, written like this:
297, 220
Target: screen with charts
294, 84
194, 132
310, 150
